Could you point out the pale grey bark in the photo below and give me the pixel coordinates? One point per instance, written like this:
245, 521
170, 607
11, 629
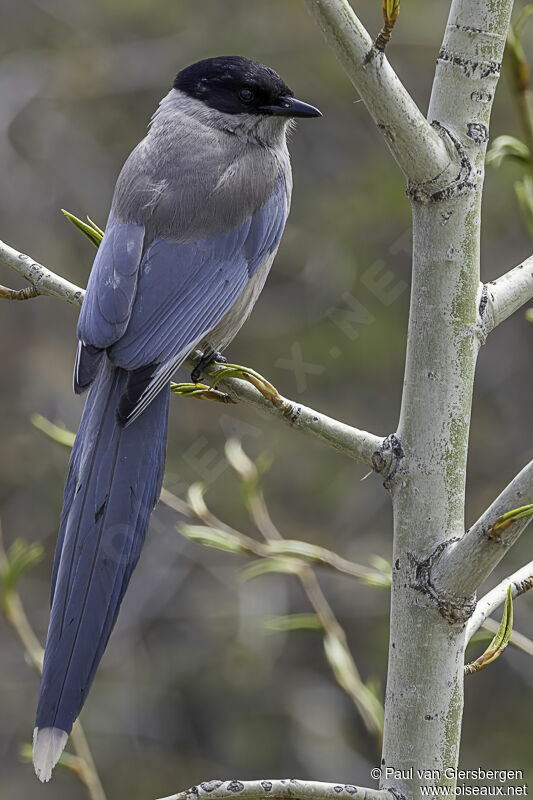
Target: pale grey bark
424, 700
504, 296
417, 147
44, 281
520, 582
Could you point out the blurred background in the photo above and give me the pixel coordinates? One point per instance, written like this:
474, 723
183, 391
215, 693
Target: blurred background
193, 685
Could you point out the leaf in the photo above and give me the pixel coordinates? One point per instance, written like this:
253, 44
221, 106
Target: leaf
20, 557
503, 522
503, 634
500, 640
96, 227
529, 315
195, 498
373, 684
320, 555
241, 463
265, 566
293, 622
391, 9
91, 230
58, 433
212, 537
249, 472
507, 147
298, 549
200, 391
247, 374
381, 565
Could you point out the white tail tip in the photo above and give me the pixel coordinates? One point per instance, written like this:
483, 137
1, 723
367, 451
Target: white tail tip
48, 744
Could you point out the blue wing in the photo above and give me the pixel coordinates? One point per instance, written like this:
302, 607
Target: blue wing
149, 306
109, 298
184, 289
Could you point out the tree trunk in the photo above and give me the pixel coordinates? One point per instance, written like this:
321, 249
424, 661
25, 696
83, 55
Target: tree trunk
424, 700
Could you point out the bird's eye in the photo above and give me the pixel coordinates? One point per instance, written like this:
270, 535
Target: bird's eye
201, 86
246, 94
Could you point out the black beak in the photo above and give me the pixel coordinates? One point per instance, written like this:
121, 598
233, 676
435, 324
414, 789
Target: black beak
290, 107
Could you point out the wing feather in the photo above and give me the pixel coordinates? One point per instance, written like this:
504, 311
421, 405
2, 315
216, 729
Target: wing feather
109, 298
151, 304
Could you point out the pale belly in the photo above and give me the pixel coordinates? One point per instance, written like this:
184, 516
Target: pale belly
234, 319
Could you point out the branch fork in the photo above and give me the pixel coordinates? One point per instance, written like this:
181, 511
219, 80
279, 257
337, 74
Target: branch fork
452, 608
387, 459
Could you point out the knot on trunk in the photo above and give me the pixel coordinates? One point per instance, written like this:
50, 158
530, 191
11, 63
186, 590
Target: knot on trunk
454, 609
387, 460
434, 191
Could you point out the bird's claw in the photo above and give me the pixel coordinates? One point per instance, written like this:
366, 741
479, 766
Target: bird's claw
209, 357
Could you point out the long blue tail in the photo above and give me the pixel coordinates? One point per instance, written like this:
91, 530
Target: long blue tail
113, 484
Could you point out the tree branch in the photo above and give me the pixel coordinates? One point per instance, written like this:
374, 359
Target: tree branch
520, 581
278, 788
362, 446
504, 296
417, 147
464, 565
367, 448
42, 279
425, 672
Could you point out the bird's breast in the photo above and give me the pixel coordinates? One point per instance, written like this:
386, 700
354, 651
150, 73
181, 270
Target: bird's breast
230, 324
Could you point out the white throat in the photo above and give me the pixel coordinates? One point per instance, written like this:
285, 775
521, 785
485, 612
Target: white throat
266, 130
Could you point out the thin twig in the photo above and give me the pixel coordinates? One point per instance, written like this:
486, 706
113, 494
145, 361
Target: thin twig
19, 294
275, 547
334, 636
335, 641
42, 280
417, 147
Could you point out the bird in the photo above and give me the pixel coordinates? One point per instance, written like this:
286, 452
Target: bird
196, 219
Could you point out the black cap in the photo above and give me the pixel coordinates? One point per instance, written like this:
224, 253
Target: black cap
238, 85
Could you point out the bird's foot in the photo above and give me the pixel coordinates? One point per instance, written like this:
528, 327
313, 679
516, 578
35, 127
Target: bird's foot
209, 357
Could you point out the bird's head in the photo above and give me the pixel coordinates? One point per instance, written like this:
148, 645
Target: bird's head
240, 87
